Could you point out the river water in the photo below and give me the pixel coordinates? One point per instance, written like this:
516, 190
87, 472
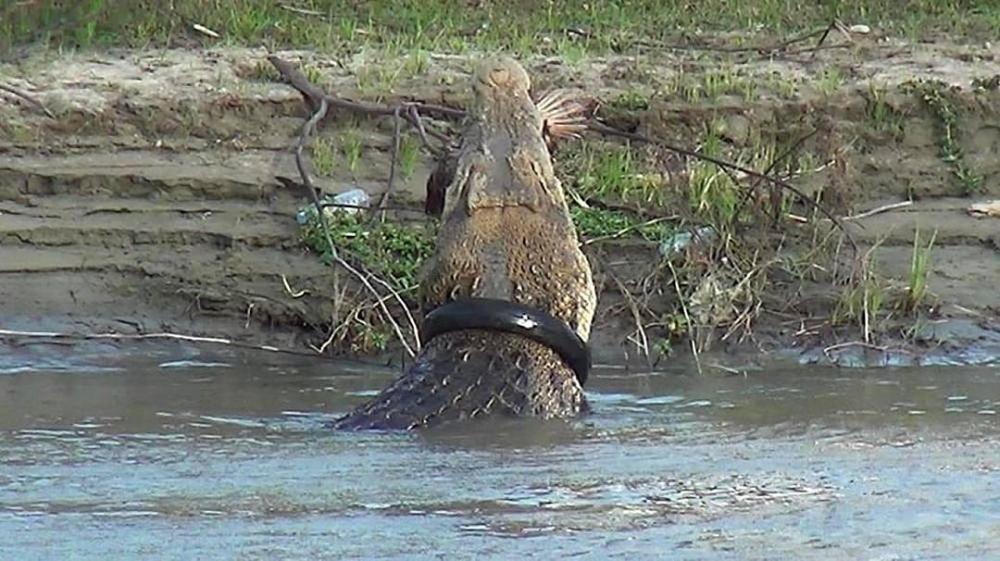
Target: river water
176, 452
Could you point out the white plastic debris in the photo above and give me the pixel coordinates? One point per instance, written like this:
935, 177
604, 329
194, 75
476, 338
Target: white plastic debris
354, 200
348, 202
681, 240
202, 29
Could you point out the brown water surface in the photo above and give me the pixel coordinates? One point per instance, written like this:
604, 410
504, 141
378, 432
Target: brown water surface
173, 452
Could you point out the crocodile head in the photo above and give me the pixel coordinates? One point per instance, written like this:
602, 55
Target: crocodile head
501, 88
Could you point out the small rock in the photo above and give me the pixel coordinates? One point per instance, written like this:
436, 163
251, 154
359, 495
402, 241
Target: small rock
737, 128
860, 29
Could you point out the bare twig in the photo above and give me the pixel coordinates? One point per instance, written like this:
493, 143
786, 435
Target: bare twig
321, 104
864, 344
313, 94
250, 307
14, 334
301, 11
762, 49
878, 210
687, 317
293, 293
835, 24
393, 158
643, 341
205, 31
413, 116
30, 99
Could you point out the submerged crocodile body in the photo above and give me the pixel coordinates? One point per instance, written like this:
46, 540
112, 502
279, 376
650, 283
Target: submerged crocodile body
506, 246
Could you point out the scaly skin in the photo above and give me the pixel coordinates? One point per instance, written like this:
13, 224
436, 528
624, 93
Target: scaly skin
506, 234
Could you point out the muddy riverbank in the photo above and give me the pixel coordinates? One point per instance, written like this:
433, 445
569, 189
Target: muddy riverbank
150, 200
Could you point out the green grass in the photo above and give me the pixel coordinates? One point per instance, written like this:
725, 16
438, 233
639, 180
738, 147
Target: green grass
323, 156
378, 81
882, 116
631, 100
716, 199
409, 156
352, 146
604, 171
452, 26
710, 85
830, 80
863, 300
393, 251
607, 223
916, 294
783, 87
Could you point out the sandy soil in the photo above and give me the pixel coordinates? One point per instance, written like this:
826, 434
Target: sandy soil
150, 202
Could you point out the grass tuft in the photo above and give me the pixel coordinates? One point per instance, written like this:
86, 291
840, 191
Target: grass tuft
352, 146
916, 294
323, 156
862, 301
882, 116
608, 223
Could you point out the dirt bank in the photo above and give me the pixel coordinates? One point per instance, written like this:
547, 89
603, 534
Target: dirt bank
149, 201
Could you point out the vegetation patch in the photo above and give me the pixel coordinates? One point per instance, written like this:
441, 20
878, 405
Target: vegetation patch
938, 97
391, 250
881, 115
612, 172
863, 299
603, 223
710, 85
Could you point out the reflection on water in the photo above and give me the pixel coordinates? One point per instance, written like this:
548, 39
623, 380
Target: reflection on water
185, 455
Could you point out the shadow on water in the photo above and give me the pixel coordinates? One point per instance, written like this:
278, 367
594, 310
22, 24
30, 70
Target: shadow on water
172, 452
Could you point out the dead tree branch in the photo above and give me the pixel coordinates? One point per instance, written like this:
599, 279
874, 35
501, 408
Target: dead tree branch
313, 95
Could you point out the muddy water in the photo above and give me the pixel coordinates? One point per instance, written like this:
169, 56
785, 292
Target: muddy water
179, 453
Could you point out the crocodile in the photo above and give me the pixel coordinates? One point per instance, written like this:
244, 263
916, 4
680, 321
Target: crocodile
508, 296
